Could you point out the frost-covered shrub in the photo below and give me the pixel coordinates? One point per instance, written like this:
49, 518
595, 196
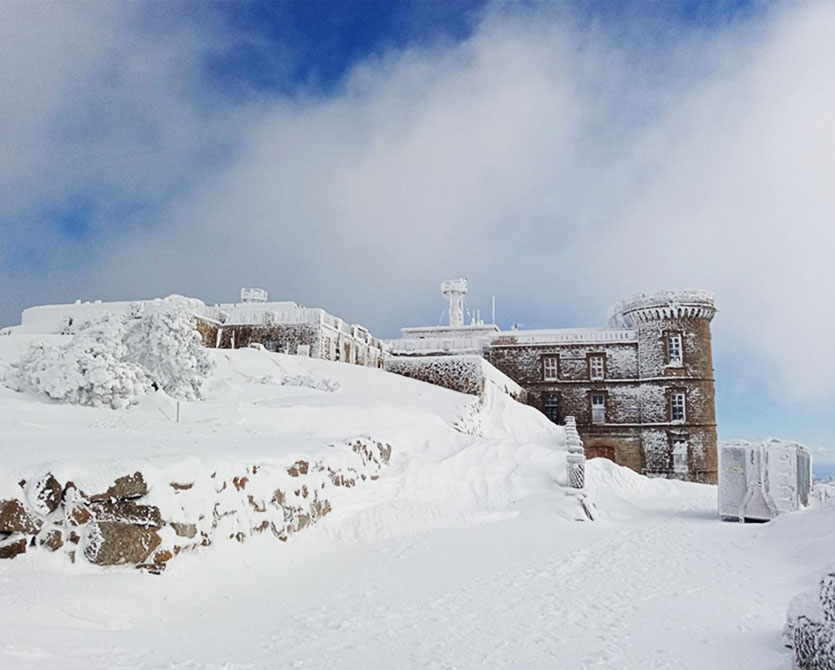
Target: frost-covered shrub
167, 346
827, 596
814, 645
112, 360
811, 627
89, 370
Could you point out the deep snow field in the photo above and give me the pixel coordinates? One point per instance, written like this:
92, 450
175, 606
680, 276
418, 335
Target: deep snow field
466, 553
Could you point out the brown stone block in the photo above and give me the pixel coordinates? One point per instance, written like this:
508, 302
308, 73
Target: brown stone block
47, 492
15, 519
124, 488
126, 511
112, 543
52, 540
298, 468
188, 530
11, 547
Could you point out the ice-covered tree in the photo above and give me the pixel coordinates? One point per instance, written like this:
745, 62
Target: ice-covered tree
114, 359
168, 347
89, 370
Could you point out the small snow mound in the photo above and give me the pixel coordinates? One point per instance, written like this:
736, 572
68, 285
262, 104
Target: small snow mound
622, 492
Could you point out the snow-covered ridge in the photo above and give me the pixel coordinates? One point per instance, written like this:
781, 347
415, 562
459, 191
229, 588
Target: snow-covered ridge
279, 442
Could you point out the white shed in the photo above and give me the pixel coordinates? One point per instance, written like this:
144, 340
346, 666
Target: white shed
759, 481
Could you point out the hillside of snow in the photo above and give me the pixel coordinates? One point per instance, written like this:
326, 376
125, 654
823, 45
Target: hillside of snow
463, 552
261, 407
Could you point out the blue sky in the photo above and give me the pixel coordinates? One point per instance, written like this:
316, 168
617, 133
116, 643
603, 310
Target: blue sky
352, 155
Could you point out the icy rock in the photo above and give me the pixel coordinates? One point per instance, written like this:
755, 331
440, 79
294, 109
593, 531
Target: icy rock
15, 519
44, 495
52, 540
124, 488
299, 467
188, 530
126, 511
12, 546
113, 543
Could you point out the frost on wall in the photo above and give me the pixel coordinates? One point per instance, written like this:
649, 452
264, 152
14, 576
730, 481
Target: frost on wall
459, 373
465, 373
114, 359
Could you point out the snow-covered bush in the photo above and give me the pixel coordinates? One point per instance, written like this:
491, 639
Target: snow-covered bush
89, 370
112, 360
811, 627
166, 345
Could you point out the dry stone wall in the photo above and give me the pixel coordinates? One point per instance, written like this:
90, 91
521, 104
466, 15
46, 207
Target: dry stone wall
122, 525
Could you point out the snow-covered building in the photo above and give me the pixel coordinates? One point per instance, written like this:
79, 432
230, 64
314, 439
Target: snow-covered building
641, 389
759, 481
290, 328
280, 326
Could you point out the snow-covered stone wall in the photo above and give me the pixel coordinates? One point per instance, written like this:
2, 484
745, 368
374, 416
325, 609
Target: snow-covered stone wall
467, 374
145, 519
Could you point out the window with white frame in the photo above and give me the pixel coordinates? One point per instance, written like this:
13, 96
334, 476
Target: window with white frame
550, 368
674, 352
598, 408
680, 463
677, 412
596, 366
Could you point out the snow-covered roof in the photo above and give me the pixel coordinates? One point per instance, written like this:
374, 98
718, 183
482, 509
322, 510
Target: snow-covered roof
50, 319
567, 336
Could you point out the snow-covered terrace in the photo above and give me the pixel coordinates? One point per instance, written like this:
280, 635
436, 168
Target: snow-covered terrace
47, 319
459, 341
284, 312
568, 336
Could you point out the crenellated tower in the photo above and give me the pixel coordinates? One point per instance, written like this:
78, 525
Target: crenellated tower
675, 371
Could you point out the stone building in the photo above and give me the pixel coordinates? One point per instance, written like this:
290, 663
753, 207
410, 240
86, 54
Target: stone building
289, 328
641, 389
280, 326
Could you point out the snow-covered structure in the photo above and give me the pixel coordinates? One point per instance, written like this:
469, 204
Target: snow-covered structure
65, 319
759, 481
287, 327
576, 457
641, 388
281, 326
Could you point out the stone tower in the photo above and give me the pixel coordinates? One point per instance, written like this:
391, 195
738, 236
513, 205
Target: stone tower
675, 370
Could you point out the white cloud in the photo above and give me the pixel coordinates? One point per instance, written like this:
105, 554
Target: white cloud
555, 166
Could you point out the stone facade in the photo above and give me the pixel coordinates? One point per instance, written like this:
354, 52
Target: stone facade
466, 373
641, 390
289, 328
280, 326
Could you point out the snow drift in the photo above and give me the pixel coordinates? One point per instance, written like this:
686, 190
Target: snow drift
277, 444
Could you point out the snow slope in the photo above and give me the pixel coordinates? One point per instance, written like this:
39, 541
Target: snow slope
464, 554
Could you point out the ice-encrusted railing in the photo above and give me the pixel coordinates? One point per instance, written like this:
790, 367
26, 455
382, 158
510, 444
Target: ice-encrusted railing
576, 456
573, 335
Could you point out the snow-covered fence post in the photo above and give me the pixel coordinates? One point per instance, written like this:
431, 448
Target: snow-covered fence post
576, 456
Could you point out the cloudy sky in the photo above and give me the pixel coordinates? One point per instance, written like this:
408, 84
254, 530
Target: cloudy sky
353, 155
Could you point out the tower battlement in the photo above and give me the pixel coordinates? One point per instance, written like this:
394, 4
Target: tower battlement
645, 307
